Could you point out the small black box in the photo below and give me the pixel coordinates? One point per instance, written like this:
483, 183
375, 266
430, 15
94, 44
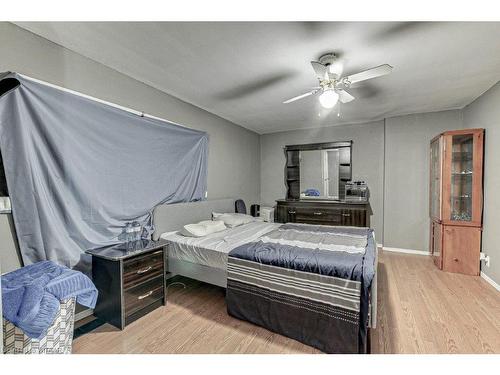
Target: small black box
255, 210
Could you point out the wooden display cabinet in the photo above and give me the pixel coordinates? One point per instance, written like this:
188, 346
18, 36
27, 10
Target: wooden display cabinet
456, 200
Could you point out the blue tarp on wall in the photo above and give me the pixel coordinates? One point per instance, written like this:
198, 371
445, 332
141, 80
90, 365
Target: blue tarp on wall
78, 170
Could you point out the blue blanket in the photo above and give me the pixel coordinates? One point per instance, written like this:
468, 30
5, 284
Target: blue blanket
31, 295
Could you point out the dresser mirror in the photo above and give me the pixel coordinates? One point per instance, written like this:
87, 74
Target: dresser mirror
317, 171
319, 174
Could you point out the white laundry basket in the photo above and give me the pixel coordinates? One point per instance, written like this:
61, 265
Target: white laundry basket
57, 340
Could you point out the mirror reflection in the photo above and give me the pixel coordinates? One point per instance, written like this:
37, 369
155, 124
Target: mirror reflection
319, 174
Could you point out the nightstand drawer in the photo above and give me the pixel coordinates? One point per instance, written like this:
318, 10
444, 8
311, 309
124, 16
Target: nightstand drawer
142, 268
143, 295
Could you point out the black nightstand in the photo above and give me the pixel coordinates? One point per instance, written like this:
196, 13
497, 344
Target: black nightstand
130, 278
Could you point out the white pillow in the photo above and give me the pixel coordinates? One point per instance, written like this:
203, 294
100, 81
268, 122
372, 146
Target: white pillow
233, 219
203, 228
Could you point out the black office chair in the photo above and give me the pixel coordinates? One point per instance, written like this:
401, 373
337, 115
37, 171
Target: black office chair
240, 207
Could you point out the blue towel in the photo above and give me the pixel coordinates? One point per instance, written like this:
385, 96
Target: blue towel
31, 295
312, 192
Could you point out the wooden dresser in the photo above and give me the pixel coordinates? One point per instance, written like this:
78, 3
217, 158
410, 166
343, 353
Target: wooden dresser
130, 278
323, 212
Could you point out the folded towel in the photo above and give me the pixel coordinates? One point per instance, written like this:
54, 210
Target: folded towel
31, 295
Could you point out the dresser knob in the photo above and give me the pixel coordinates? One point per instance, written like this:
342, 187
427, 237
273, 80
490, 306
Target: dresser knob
291, 212
318, 213
455, 259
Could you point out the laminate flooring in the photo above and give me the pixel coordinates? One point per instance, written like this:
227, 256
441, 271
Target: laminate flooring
420, 310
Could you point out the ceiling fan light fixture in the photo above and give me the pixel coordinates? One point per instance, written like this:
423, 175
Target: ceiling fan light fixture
333, 85
328, 98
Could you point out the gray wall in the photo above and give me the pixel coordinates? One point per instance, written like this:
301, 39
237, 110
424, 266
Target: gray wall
484, 112
234, 162
406, 189
367, 161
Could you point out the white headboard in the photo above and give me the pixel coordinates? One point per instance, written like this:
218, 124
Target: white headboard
172, 217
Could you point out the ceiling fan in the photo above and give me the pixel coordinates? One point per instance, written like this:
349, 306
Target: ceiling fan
332, 86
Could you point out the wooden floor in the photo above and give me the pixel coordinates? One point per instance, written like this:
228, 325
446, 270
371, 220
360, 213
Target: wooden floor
424, 310
421, 310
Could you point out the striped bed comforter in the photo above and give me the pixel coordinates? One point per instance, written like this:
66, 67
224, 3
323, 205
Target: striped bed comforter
310, 283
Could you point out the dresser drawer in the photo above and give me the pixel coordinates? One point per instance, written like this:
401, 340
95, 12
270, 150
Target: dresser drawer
354, 218
143, 295
323, 213
318, 215
142, 268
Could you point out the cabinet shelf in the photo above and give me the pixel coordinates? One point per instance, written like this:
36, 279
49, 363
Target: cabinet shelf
461, 156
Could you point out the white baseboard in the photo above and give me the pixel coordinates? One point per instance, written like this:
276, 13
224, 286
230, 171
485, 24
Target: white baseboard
490, 281
405, 251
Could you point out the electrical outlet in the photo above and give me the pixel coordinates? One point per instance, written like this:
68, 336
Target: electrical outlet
486, 259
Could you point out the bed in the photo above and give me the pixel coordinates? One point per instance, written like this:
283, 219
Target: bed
316, 284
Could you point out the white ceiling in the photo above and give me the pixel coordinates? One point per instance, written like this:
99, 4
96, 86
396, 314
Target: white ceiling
244, 71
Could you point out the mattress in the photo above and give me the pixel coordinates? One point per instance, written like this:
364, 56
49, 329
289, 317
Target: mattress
212, 250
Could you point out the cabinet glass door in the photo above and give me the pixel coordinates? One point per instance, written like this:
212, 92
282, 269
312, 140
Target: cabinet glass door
435, 183
462, 172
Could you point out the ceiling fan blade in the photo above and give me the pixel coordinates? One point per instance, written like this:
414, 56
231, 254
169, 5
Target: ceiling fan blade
320, 70
299, 97
345, 97
378, 71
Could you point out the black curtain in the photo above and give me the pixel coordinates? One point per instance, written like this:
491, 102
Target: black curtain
4, 192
